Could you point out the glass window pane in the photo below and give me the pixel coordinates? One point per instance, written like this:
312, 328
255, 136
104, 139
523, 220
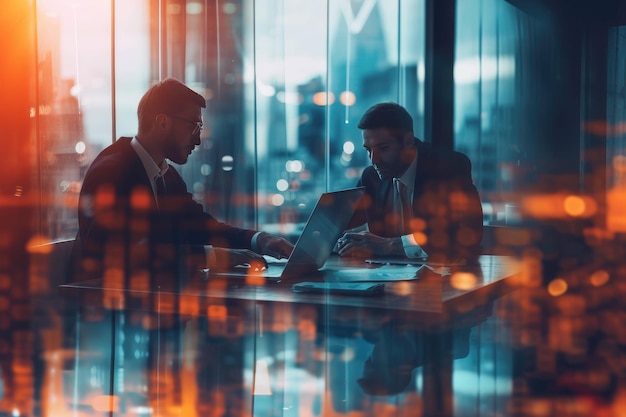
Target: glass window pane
616, 115
316, 70
285, 82
132, 64
74, 61
486, 101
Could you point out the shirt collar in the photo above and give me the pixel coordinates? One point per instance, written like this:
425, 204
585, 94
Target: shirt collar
408, 178
152, 168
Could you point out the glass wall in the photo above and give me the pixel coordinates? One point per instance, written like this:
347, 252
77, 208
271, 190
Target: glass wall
92, 70
487, 102
615, 132
285, 82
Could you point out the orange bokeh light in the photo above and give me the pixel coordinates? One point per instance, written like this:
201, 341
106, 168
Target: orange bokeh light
616, 209
558, 206
599, 278
557, 287
574, 205
217, 312
463, 280
347, 98
322, 98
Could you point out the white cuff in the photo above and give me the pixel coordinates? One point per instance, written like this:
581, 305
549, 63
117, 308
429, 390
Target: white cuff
411, 248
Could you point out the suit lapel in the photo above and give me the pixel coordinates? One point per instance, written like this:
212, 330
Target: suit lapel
140, 176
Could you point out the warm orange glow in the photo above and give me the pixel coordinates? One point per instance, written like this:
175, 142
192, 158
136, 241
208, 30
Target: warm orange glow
599, 278
418, 224
616, 209
166, 303
347, 98
217, 312
541, 206
140, 199
113, 278
459, 200
105, 197
255, 279
174, 9
323, 99
602, 128
597, 127
420, 238
574, 205
463, 280
558, 206
189, 305
37, 244
557, 287
401, 288
105, 403
307, 329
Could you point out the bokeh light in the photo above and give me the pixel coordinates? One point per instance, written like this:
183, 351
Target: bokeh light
557, 287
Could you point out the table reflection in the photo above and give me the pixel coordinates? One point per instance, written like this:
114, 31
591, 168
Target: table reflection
268, 359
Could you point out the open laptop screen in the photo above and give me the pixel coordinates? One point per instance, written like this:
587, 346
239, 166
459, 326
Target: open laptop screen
325, 225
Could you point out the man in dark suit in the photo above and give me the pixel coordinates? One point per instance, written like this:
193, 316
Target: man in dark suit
419, 202
135, 214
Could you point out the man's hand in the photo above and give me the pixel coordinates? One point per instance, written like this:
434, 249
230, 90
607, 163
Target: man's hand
274, 246
225, 259
366, 245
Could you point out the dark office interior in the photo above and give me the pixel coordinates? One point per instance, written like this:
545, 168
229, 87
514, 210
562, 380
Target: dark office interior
532, 91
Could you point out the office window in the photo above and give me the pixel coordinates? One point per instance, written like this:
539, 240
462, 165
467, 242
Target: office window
81, 110
615, 132
487, 102
286, 84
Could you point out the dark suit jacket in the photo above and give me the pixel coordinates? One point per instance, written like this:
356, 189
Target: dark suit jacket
447, 213
124, 230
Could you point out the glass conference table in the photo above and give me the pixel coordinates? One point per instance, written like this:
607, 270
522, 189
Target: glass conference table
217, 347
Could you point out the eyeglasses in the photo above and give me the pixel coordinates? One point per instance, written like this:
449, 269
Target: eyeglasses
198, 125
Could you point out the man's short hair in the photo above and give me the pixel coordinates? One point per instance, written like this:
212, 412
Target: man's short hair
387, 115
167, 97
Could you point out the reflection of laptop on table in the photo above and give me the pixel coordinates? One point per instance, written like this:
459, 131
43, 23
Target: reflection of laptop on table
325, 225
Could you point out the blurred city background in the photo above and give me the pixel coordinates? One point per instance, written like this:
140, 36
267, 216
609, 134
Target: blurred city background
534, 95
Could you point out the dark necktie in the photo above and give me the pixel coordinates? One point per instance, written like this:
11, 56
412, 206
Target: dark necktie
160, 188
402, 207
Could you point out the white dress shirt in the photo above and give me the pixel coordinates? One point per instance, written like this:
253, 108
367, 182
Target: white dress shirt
411, 248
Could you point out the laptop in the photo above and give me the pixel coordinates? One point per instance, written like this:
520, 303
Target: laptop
326, 223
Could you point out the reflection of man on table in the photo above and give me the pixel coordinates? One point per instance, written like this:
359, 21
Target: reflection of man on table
135, 214
419, 201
